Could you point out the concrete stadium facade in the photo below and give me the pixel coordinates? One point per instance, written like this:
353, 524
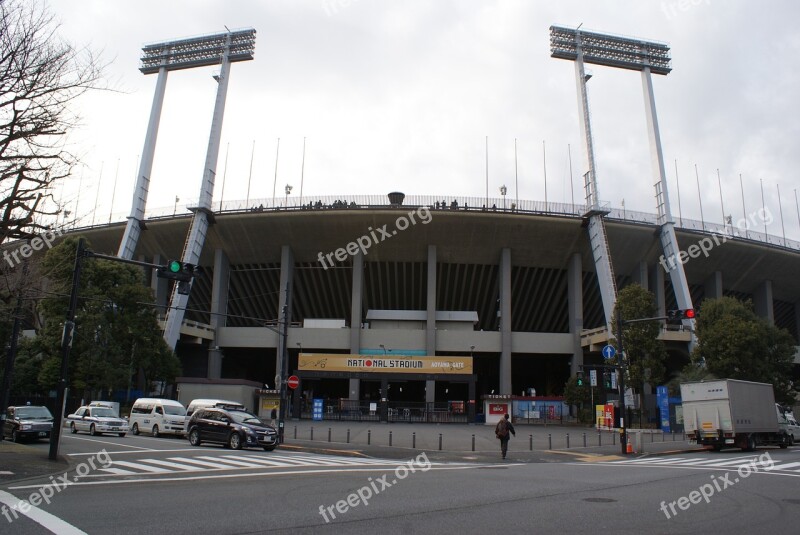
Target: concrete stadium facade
514, 288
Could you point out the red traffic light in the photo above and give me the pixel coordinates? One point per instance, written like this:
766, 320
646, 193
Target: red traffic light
688, 313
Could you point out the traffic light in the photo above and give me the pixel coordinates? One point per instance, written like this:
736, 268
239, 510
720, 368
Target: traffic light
675, 316
579, 377
607, 380
176, 270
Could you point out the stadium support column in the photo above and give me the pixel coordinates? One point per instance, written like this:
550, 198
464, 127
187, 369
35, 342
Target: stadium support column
202, 213
640, 275
797, 321
657, 287
505, 321
219, 309
430, 329
284, 314
575, 296
762, 301
713, 286
136, 220
669, 241
356, 298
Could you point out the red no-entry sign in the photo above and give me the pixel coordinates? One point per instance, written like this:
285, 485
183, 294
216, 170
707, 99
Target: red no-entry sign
293, 382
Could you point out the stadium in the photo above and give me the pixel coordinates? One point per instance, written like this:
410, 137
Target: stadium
513, 289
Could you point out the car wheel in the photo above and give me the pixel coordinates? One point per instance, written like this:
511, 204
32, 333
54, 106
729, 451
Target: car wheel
14, 436
270, 448
235, 441
121, 435
135, 429
791, 440
155, 432
92, 430
194, 437
72, 428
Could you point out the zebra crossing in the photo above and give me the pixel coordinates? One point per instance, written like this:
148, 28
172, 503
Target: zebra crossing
763, 461
241, 461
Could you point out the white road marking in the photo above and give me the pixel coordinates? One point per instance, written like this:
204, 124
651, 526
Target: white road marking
48, 521
139, 466
105, 442
124, 452
228, 461
170, 464
786, 466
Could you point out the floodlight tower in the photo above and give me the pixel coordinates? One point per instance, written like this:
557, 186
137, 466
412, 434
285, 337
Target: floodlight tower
161, 58
218, 49
646, 57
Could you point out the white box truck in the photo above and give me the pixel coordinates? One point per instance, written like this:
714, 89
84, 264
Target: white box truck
732, 413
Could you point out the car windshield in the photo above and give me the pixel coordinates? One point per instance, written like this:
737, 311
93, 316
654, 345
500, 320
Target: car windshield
103, 412
243, 417
34, 413
174, 411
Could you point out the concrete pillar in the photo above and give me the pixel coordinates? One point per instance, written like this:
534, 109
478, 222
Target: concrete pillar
430, 334
356, 299
657, 287
160, 288
762, 300
287, 279
640, 275
797, 321
505, 321
219, 307
575, 306
713, 286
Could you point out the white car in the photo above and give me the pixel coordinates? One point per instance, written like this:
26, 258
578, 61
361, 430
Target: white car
96, 421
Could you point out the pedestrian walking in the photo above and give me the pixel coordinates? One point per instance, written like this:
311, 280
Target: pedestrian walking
504, 430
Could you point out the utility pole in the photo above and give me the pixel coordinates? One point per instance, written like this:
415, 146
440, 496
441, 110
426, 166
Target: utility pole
66, 345
623, 432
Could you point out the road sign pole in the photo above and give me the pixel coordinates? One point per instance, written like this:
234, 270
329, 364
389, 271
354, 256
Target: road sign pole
623, 435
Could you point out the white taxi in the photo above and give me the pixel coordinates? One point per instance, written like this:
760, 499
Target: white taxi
97, 420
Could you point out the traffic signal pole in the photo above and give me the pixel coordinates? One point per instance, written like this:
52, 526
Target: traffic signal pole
623, 432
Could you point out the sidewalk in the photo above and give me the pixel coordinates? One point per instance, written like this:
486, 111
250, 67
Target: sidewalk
471, 441
21, 461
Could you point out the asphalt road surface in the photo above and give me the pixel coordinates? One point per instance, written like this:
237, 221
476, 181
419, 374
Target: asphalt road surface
146, 485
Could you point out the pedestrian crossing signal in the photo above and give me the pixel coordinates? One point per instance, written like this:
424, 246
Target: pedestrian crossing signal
579, 377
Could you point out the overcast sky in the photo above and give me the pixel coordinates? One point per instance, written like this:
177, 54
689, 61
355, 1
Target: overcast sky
400, 95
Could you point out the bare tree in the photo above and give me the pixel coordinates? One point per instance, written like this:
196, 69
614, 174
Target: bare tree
41, 75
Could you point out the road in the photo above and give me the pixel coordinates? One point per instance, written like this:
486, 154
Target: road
147, 485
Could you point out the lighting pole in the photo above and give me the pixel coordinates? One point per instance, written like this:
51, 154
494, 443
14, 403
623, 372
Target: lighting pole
503, 191
175, 209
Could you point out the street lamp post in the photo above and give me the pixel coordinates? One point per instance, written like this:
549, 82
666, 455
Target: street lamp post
503, 191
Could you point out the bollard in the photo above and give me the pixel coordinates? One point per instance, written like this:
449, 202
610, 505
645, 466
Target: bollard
473, 442
599, 438
295, 432
613, 439
369, 436
549, 441
567, 440
390, 438
348, 436
329, 434
662, 436
414, 440
312, 433
530, 438
673, 435
584, 440
440, 442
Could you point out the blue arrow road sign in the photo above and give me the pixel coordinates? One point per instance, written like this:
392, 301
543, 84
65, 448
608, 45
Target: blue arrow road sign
609, 352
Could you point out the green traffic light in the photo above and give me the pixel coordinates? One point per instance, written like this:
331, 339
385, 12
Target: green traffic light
174, 266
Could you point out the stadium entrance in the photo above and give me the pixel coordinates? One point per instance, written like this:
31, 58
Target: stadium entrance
391, 389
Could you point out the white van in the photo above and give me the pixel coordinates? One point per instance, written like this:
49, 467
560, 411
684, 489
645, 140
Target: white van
207, 403
157, 417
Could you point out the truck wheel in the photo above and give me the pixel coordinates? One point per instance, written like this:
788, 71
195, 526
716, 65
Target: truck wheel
751, 443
